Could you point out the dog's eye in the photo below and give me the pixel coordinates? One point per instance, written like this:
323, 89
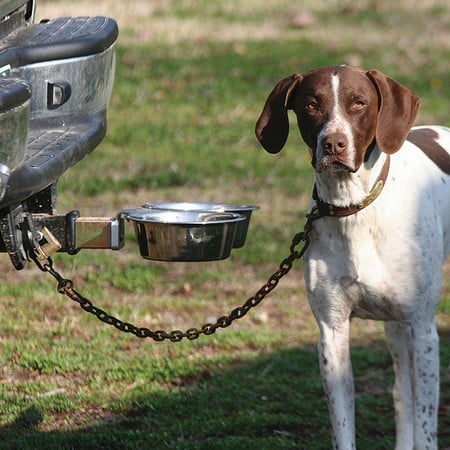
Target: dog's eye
312, 106
358, 104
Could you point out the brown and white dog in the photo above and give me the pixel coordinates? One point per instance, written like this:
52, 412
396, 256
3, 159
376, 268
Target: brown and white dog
382, 192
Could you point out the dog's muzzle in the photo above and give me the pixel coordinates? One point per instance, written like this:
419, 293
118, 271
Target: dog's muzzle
332, 154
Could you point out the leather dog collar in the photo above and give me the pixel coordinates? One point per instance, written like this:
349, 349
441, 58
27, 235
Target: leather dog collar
327, 209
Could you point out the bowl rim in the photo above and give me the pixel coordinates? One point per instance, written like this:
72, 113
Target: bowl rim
161, 216
200, 206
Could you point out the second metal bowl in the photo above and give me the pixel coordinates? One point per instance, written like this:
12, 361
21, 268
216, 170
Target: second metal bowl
242, 209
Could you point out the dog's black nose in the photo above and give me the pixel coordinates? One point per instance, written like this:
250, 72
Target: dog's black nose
334, 144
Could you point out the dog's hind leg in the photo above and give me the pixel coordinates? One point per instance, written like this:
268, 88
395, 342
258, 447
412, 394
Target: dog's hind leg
398, 336
415, 354
426, 383
337, 377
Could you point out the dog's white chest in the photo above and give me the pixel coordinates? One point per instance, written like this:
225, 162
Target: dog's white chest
364, 272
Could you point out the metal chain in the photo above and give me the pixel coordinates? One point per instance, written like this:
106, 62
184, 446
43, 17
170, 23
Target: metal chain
65, 286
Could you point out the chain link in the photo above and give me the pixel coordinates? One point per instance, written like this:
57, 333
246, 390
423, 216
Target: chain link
65, 286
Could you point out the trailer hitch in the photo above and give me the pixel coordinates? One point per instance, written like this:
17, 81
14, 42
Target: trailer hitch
26, 236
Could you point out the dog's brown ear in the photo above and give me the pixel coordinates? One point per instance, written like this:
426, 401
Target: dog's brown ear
397, 111
272, 127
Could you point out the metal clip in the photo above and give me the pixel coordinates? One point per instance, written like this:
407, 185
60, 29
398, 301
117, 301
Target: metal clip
48, 245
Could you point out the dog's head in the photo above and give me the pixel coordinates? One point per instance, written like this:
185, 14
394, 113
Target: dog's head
340, 112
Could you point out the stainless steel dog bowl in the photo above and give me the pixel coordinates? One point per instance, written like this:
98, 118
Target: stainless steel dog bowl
183, 235
242, 209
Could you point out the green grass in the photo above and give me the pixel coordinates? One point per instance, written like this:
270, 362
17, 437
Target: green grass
180, 127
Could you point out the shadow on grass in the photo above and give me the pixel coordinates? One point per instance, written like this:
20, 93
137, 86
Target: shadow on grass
273, 401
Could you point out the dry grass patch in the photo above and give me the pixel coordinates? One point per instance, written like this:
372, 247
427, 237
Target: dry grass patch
172, 22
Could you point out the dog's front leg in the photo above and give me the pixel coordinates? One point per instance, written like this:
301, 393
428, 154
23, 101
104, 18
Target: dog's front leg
337, 377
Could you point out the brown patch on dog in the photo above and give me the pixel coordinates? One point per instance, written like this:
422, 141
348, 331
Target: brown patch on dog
426, 140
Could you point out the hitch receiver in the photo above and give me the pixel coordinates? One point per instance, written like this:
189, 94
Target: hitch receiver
99, 232
75, 233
